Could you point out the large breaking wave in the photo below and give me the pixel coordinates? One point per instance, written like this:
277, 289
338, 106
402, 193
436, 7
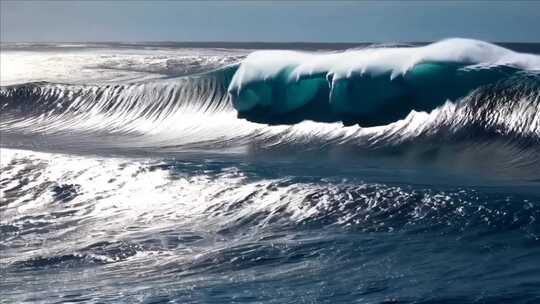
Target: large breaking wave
457, 92
374, 86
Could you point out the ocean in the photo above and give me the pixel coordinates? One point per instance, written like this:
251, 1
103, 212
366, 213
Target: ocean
270, 173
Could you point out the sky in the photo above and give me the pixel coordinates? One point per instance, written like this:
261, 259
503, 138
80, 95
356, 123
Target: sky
269, 21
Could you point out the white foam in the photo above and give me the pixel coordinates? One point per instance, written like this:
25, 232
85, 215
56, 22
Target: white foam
98, 65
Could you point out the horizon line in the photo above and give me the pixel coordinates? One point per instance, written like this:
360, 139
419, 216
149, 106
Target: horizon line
247, 42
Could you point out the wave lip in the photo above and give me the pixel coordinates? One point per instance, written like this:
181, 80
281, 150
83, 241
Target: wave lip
373, 86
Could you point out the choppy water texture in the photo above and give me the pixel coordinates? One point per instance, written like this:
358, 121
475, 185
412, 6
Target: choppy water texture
171, 173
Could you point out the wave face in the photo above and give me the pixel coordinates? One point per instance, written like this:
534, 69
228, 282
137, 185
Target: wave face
163, 174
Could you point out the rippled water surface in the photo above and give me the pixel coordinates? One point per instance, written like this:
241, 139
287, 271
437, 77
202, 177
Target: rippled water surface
79, 228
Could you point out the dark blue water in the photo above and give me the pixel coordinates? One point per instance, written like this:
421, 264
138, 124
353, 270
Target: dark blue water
278, 232
157, 192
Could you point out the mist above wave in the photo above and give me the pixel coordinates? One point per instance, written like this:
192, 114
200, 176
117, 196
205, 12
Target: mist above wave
86, 65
